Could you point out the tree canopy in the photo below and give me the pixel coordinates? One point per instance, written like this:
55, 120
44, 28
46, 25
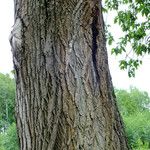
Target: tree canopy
134, 106
7, 100
8, 135
133, 16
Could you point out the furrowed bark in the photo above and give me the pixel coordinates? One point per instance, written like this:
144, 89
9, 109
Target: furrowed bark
65, 98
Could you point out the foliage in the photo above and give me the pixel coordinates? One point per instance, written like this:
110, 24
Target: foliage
8, 136
138, 129
133, 101
8, 139
7, 100
134, 108
133, 16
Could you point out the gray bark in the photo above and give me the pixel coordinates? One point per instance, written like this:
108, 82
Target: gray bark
65, 98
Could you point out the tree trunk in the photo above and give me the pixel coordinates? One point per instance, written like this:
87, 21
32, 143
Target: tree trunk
65, 98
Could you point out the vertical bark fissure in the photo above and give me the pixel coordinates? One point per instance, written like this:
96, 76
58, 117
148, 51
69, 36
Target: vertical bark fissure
95, 33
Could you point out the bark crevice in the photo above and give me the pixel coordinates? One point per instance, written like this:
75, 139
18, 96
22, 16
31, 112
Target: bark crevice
95, 33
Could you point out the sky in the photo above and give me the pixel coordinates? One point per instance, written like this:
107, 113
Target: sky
120, 78
6, 22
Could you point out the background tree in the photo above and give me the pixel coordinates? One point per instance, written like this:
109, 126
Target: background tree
65, 97
132, 101
8, 136
7, 100
135, 110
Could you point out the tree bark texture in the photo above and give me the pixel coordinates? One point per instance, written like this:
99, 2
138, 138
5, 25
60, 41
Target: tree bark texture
65, 98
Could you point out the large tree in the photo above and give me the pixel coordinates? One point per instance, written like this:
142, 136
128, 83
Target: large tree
65, 98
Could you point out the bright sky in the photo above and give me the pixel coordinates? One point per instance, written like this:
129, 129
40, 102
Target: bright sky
120, 78
6, 22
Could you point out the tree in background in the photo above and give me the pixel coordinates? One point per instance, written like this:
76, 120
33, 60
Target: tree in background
134, 106
9, 139
8, 136
7, 101
65, 97
132, 101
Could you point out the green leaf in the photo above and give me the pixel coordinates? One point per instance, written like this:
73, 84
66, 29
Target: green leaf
135, 30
